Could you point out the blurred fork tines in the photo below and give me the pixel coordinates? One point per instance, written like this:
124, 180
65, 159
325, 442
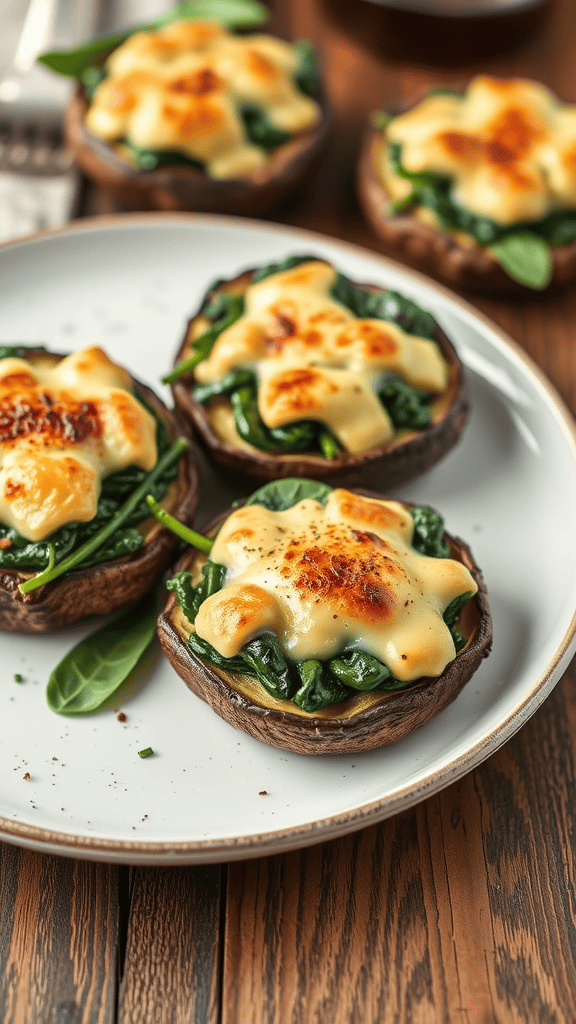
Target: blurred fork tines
38, 183
33, 149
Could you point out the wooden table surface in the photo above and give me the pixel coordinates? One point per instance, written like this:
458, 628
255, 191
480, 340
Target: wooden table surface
461, 910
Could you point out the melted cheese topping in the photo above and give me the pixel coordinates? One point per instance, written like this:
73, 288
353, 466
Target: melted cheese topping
315, 360
181, 88
63, 427
508, 146
323, 578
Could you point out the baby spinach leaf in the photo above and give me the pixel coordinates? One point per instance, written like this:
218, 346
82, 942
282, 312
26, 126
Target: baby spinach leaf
150, 159
203, 650
232, 309
405, 406
428, 533
190, 597
260, 129
279, 495
236, 14
358, 670
265, 657
318, 689
293, 437
307, 75
94, 669
526, 257
454, 608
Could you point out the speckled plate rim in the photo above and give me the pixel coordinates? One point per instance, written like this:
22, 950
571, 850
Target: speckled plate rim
279, 841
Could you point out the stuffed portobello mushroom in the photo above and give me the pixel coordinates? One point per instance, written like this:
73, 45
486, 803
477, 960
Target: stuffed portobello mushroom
81, 446
323, 620
190, 114
477, 187
293, 370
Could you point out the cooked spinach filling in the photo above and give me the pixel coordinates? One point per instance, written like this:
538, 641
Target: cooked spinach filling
522, 249
407, 407
25, 554
258, 127
310, 684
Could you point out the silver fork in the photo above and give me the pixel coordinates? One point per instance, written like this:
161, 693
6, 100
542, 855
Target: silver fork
38, 183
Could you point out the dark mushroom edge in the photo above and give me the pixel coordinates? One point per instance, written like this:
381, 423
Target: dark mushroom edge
363, 721
107, 586
434, 249
408, 454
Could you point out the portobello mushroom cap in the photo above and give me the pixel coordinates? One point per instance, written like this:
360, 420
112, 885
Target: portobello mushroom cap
364, 721
181, 188
408, 454
103, 588
434, 249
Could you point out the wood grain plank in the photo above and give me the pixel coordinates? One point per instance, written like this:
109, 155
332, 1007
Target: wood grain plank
461, 910
58, 940
172, 966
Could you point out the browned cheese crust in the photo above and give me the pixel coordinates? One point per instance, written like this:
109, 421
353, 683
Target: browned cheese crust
363, 721
434, 250
406, 455
189, 188
104, 588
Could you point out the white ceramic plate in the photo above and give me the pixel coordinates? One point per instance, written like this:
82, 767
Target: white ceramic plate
129, 284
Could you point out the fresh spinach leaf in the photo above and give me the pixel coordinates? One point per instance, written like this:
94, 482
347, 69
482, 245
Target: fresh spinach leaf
301, 436
358, 670
150, 159
318, 689
236, 14
307, 75
18, 350
233, 308
265, 658
190, 597
260, 129
225, 386
279, 495
94, 669
406, 407
453, 610
525, 257
203, 650
428, 533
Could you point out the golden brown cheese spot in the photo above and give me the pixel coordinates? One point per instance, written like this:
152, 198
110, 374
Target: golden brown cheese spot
373, 513
204, 117
283, 327
39, 418
377, 341
314, 358
236, 614
351, 575
16, 380
332, 582
261, 67
200, 83
63, 426
37, 492
501, 144
295, 392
